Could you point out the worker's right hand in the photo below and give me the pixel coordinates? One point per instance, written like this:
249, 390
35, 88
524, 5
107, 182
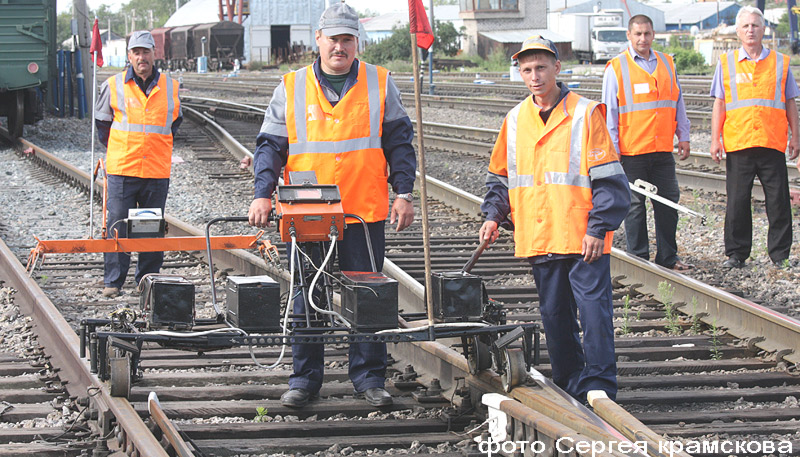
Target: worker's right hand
489, 232
259, 212
716, 150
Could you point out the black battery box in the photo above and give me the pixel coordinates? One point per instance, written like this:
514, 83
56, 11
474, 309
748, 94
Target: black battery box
254, 303
369, 300
457, 297
167, 301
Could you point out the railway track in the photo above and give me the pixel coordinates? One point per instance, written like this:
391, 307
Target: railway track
640, 351
699, 171
642, 358
246, 395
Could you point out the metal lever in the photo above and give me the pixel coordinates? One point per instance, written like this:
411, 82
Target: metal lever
475, 255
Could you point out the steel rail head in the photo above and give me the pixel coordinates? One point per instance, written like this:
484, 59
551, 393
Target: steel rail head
631, 427
61, 343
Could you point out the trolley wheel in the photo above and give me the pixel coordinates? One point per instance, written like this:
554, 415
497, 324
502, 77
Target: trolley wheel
479, 358
514, 372
16, 118
120, 377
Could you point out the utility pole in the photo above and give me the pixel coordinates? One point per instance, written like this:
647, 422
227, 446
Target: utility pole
81, 15
133, 20
149, 19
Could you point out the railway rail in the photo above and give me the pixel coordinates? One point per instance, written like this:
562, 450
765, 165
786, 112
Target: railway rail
536, 406
245, 391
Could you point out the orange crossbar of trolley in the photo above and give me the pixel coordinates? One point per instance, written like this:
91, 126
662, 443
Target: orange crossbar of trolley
185, 243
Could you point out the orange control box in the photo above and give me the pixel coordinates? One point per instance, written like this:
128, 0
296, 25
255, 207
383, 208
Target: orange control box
310, 211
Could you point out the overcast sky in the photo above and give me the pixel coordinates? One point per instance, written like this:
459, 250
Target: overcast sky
380, 6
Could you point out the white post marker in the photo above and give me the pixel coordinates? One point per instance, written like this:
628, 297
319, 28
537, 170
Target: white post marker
649, 190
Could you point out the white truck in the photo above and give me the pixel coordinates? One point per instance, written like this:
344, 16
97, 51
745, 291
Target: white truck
597, 36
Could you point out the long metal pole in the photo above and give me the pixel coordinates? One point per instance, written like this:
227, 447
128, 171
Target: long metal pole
431, 86
422, 183
91, 163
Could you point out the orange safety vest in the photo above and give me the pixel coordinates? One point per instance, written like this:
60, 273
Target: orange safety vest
140, 140
341, 143
550, 168
648, 104
755, 101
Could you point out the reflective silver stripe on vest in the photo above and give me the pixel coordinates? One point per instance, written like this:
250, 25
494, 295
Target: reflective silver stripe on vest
606, 170
630, 106
663, 60
511, 149
572, 177
300, 105
373, 89
120, 79
303, 146
125, 126
735, 103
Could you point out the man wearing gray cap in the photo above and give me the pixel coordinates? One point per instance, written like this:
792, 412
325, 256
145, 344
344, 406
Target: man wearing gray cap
342, 119
137, 114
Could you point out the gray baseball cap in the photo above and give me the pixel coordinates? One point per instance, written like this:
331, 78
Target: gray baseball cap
339, 19
141, 39
537, 42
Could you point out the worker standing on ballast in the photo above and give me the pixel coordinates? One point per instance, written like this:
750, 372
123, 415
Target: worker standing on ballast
754, 100
137, 114
555, 179
344, 120
645, 107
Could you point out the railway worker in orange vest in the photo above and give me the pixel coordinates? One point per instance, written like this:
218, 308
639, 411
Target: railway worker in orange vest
645, 111
555, 178
137, 114
344, 120
754, 93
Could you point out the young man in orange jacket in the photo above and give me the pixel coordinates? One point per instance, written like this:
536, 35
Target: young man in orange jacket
555, 178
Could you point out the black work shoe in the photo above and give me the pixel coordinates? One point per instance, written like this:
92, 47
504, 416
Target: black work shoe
376, 396
732, 263
296, 398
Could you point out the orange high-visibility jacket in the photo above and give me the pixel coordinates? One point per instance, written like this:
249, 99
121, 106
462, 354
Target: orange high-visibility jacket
140, 140
647, 104
755, 101
341, 143
550, 170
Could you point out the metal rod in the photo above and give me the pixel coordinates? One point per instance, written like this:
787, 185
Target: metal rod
475, 256
423, 188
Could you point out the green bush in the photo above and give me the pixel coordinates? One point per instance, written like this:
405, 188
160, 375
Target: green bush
687, 60
396, 47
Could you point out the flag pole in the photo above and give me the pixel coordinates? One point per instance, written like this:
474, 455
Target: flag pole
91, 163
422, 183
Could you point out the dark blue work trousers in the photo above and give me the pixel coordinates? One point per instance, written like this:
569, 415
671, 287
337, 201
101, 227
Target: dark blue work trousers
566, 286
124, 193
657, 168
367, 361
741, 168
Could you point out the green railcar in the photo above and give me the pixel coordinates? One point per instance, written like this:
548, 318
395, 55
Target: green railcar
27, 59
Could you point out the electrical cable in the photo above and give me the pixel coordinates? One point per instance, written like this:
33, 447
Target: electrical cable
314, 282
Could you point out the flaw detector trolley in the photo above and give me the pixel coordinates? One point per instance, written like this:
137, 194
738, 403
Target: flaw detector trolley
311, 220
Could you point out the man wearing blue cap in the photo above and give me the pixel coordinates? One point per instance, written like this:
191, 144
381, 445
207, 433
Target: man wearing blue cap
137, 114
344, 120
554, 178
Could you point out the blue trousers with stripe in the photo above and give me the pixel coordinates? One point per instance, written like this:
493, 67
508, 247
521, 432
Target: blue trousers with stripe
567, 286
367, 361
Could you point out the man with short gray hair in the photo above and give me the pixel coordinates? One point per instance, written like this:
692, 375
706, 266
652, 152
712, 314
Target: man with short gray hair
137, 114
754, 92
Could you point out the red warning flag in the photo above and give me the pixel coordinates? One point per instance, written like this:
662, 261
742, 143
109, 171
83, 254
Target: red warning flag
97, 45
419, 24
